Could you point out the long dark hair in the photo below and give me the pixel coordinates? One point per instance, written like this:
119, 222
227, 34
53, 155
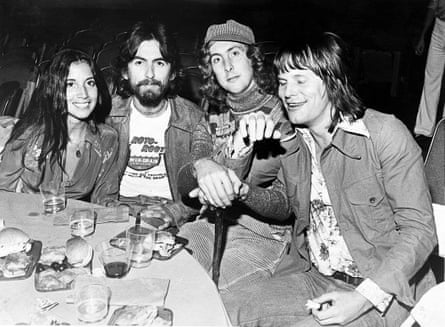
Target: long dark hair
262, 75
46, 114
326, 55
146, 31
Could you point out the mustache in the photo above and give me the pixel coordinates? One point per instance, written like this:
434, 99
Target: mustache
149, 81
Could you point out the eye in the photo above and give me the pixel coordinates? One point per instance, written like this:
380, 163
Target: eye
215, 60
235, 53
137, 62
161, 63
281, 82
70, 84
91, 83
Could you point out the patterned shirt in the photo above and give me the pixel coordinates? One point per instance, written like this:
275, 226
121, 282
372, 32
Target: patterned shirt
328, 250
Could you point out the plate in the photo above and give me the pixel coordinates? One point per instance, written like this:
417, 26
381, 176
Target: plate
57, 275
34, 252
145, 315
180, 243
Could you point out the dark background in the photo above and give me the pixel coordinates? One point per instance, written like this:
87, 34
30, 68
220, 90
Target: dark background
388, 75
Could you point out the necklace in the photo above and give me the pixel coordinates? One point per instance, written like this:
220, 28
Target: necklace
77, 150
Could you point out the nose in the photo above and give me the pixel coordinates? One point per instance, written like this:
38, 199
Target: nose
82, 91
149, 72
228, 65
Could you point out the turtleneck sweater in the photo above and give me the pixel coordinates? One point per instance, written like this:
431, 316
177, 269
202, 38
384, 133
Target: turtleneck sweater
251, 100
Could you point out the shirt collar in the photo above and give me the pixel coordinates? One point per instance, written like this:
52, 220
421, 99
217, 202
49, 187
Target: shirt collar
355, 127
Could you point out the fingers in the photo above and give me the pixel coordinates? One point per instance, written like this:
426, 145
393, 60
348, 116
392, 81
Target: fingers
235, 182
218, 190
194, 193
258, 126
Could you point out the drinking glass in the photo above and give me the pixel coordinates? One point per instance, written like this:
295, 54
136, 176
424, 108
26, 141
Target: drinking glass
53, 196
92, 301
82, 222
141, 245
115, 259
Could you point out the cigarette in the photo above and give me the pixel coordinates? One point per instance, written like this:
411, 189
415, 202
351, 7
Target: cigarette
312, 305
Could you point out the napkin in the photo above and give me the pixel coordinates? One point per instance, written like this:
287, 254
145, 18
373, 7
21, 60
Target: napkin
141, 291
117, 214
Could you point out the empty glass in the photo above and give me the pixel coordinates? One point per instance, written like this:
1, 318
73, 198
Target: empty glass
53, 196
141, 245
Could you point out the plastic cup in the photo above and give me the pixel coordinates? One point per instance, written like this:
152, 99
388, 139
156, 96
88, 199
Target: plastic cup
53, 196
92, 301
141, 245
82, 222
114, 259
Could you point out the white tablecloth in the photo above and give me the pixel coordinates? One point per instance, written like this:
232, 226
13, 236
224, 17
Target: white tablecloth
192, 296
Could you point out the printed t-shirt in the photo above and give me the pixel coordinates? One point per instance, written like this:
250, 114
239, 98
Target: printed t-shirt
146, 173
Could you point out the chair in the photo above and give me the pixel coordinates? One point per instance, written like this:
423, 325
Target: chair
428, 311
191, 83
435, 164
87, 40
381, 67
435, 175
109, 75
20, 71
108, 54
10, 94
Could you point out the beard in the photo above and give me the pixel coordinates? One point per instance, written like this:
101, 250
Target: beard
150, 97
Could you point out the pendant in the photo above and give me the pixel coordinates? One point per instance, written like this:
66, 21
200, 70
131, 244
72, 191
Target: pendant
78, 153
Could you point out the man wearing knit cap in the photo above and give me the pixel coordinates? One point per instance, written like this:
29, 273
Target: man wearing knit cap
236, 83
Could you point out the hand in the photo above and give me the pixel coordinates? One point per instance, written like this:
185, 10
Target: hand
343, 307
257, 126
156, 216
420, 46
197, 193
219, 185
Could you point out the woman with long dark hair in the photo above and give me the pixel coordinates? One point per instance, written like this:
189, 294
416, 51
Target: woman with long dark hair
61, 135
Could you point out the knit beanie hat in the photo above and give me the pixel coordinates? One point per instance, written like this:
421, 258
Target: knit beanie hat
230, 31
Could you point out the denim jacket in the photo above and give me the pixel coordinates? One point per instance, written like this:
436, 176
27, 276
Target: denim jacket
95, 177
380, 198
185, 115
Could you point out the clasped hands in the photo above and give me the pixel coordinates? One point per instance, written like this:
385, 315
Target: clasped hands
219, 186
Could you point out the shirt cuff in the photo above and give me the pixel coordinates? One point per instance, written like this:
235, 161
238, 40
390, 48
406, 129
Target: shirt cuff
374, 294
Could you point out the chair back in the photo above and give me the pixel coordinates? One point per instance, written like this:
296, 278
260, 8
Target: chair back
435, 164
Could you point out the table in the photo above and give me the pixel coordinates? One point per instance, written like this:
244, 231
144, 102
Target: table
192, 296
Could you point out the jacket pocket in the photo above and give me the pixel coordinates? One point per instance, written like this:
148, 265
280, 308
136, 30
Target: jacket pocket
370, 207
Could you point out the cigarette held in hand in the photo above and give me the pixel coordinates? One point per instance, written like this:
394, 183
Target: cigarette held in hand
312, 305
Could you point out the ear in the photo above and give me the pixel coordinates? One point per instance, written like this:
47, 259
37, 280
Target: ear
172, 77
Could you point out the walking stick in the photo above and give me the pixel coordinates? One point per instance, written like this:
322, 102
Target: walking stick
218, 243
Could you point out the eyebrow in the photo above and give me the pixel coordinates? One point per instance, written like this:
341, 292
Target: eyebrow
296, 75
228, 50
86, 79
144, 59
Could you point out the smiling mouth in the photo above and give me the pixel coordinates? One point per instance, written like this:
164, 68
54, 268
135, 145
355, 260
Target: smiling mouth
295, 105
232, 78
81, 104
